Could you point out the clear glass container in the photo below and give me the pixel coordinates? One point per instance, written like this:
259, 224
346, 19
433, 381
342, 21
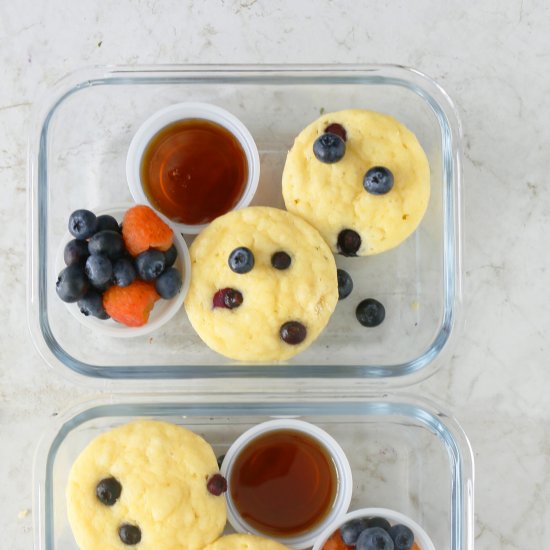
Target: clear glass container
80, 137
405, 453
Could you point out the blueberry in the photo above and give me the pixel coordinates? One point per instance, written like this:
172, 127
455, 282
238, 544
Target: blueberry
150, 264
241, 260
216, 485
345, 284
108, 491
168, 284
370, 312
72, 283
75, 252
337, 129
170, 257
82, 224
218, 300
374, 538
227, 297
351, 530
129, 534
99, 269
329, 148
280, 260
232, 298
109, 243
293, 332
92, 304
105, 222
220, 460
378, 521
124, 272
348, 242
402, 537
378, 180
101, 288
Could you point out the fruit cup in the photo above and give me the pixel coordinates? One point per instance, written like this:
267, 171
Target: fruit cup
162, 311
421, 539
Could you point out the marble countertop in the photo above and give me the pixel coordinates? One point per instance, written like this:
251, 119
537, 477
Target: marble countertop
492, 59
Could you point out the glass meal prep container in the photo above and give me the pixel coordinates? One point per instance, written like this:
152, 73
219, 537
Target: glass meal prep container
405, 453
80, 138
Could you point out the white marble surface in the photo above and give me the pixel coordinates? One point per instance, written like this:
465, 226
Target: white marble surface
493, 59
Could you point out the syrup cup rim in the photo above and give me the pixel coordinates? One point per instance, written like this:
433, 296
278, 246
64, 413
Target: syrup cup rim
188, 110
344, 484
394, 517
157, 318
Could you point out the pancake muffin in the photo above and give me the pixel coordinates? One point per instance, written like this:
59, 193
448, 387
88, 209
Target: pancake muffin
245, 542
361, 178
263, 284
147, 484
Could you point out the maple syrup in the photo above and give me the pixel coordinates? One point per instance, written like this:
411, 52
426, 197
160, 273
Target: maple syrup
193, 171
283, 483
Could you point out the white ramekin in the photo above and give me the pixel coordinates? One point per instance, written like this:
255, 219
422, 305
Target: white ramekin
163, 310
420, 536
343, 472
182, 111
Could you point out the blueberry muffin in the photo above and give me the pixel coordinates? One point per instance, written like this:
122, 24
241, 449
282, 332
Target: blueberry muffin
361, 178
147, 484
263, 284
245, 542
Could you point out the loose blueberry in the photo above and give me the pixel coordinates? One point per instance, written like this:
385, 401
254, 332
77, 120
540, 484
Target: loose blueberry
228, 298
402, 537
370, 312
109, 243
92, 304
129, 534
241, 260
75, 252
337, 129
329, 148
82, 224
345, 284
168, 284
348, 242
293, 332
72, 283
378, 180
124, 273
281, 260
105, 222
170, 257
108, 491
150, 264
216, 485
378, 521
351, 530
99, 269
374, 538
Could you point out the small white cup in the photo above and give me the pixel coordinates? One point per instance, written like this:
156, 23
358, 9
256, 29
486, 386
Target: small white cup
163, 310
420, 536
182, 111
343, 472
